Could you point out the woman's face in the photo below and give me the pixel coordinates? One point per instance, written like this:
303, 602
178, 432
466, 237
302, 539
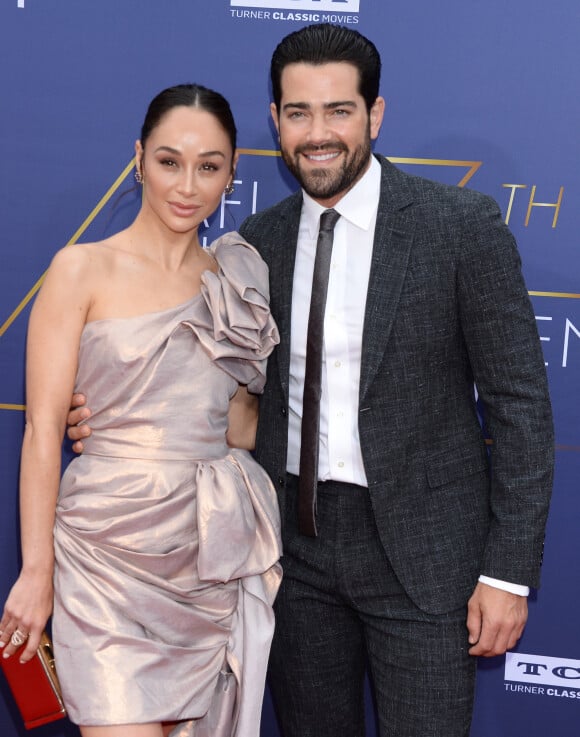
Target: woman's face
186, 165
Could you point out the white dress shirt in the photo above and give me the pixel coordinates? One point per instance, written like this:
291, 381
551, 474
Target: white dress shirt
340, 456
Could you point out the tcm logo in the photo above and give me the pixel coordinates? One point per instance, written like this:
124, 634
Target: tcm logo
351, 6
542, 670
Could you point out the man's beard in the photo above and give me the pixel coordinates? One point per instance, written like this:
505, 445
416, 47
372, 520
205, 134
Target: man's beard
327, 183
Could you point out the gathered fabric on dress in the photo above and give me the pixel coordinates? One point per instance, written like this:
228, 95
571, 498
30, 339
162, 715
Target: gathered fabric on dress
166, 540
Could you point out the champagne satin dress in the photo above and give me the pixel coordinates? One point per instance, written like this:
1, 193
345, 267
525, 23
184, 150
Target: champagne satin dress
167, 541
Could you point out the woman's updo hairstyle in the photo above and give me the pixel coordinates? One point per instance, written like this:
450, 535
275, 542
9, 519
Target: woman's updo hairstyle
189, 95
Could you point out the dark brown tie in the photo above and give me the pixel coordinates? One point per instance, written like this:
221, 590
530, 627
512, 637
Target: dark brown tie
310, 439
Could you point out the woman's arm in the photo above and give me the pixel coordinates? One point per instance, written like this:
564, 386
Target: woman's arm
54, 331
242, 420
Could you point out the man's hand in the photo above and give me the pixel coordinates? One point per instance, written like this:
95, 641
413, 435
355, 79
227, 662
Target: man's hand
495, 620
78, 412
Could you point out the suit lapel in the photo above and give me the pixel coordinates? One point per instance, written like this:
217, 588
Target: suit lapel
283, 249
392, 244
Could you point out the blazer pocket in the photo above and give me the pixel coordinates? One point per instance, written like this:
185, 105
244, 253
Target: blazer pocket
446, 468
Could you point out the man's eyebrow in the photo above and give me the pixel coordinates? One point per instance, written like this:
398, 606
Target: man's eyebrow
296, 105
326, 105
340, 103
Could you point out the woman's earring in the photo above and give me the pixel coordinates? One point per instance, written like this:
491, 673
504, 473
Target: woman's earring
138, 176
229, 189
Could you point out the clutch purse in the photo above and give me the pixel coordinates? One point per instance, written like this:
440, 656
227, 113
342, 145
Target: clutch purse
35, 686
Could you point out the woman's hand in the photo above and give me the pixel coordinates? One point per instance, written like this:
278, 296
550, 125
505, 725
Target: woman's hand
27, 609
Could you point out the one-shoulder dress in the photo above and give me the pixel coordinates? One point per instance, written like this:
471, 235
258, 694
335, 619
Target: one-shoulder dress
166, 540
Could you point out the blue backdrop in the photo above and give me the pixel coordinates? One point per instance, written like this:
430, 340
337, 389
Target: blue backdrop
478, 94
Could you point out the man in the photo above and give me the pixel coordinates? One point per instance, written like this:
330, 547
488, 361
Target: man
425, 297
414, 557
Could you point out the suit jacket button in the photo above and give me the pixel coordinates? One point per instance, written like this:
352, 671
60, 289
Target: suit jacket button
281, 481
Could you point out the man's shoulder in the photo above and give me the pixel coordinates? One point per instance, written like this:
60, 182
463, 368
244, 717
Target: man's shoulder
273, 217
428, 192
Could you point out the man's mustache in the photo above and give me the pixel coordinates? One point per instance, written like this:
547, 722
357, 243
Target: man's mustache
330, 146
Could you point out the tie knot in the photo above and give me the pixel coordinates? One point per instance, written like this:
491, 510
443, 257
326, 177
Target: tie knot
328, 220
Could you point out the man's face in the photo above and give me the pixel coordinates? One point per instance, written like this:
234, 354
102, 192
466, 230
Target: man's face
324, 127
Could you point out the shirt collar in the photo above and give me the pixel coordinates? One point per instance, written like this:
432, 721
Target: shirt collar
358, 206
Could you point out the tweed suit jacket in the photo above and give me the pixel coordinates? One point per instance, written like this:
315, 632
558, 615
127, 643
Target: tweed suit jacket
446, 308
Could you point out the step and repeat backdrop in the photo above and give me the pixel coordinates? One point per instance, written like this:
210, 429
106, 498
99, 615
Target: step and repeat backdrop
483, 95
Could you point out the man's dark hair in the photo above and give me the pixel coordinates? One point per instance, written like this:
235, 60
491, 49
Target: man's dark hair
325, 43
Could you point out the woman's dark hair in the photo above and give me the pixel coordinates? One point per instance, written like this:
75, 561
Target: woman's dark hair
325, 43
189, 95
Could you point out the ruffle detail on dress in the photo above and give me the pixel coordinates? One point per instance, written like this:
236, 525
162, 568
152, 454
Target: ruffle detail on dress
237, 518
235, 326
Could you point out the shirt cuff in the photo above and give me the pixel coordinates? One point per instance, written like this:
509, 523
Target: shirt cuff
513, 588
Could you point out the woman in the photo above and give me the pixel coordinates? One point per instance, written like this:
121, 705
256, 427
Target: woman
162, 541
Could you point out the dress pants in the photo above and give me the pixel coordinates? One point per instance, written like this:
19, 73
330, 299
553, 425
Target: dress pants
341, 610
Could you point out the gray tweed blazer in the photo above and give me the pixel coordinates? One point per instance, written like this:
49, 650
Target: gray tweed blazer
447, 307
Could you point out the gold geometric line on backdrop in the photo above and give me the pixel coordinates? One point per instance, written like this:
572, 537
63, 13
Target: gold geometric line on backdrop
92, 215
557, 295
472, 167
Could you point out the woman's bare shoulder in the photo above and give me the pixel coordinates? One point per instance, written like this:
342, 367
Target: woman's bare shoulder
81, 260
